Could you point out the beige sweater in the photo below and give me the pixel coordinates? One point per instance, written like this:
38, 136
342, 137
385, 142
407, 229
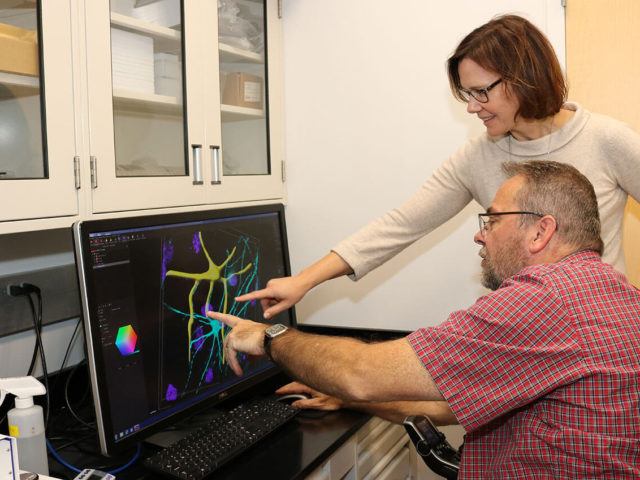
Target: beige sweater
604, 150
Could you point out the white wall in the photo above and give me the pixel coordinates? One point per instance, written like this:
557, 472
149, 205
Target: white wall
369, 116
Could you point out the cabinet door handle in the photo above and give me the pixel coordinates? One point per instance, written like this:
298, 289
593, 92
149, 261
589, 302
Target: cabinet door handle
216, 167
197, 164
76, 172
93, 166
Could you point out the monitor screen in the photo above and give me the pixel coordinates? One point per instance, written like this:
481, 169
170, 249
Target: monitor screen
146, 283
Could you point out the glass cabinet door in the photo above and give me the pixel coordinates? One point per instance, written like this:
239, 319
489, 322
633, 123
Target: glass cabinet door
244, 135
37, 143
147, 154
21, 132
147, 82
243, 87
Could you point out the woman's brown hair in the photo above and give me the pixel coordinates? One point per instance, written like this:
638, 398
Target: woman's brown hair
515, 49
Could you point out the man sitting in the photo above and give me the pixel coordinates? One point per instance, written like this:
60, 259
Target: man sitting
543, 373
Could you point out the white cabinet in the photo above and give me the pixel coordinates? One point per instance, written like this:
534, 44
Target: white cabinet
133, 93
37, 138
380, 450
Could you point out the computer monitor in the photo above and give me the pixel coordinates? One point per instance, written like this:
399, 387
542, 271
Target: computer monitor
146, 283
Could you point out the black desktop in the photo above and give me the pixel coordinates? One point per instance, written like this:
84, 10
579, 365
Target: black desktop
146, 284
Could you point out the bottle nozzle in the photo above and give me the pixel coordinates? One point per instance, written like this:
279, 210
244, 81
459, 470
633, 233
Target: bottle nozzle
24, 402
24, 388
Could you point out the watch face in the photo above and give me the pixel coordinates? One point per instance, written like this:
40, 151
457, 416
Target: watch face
275, 330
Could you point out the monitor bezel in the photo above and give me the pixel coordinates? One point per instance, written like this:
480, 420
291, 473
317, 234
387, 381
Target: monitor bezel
81, 232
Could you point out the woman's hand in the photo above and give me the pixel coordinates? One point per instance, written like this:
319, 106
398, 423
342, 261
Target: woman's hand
279, 295
283, 293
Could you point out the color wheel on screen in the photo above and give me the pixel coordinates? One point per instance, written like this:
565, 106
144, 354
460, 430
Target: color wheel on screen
126, 341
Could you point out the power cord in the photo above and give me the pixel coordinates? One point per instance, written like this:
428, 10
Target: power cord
16, 291
26, 290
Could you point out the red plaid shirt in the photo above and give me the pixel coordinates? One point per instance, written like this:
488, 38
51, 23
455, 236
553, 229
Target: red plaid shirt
544, 374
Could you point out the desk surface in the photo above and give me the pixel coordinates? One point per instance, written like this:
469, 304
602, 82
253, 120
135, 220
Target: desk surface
291, 452
297, 449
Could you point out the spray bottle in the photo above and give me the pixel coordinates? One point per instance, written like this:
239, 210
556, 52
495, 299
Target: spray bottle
26, 422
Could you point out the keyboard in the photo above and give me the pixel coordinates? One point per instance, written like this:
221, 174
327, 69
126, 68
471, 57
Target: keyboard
222, 438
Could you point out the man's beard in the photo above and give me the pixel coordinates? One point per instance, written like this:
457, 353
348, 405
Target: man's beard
509, 260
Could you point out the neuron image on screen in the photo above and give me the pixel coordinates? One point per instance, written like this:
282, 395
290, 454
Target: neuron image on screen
151, 288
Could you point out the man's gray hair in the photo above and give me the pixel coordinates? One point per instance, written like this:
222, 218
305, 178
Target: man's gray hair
558, 189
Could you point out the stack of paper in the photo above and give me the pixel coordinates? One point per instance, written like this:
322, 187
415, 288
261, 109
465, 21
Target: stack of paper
132, 61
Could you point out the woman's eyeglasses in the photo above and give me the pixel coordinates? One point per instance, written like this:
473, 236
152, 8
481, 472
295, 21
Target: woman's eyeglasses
480, 94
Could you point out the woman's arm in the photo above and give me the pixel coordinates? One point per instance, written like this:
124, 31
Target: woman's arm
283, 293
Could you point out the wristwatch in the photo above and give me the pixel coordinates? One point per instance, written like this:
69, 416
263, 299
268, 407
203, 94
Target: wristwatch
270, 333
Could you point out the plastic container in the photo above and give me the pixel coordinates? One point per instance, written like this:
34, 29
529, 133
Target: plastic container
26, 424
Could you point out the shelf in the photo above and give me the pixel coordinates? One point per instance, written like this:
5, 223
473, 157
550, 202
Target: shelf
231, 113
19, 80
130, 100
165, 39
229, 54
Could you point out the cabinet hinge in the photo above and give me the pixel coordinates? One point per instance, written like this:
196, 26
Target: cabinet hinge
279, 8
93, 165
283, 170
76, 171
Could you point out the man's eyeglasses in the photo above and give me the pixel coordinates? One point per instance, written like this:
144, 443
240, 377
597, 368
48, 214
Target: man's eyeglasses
484, 219
480, 94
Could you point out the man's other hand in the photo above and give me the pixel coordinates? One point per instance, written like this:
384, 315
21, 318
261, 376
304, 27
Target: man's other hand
318, 400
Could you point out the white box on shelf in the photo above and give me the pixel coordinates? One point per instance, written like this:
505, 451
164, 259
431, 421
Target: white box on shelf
163, 12
132, 61
168, 75
123, 7
167, 65
169, 86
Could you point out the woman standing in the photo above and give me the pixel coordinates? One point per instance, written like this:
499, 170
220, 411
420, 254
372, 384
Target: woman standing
510, 78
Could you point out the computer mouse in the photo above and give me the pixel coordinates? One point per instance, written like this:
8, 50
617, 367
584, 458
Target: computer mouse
293, 397
304, 412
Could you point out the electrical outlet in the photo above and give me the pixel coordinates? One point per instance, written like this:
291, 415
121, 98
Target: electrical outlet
60, 298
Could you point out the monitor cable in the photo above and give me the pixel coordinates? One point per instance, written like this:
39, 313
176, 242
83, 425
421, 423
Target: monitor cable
113, 471
67, 400
70, 375
67, 353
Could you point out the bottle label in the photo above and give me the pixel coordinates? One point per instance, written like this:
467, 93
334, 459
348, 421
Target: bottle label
14, 431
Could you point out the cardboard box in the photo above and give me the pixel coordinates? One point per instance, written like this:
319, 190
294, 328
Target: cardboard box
242, 90
18, 50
